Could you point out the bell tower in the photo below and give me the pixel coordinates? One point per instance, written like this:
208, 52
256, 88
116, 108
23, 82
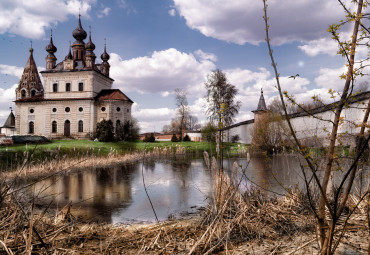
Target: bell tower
30, 83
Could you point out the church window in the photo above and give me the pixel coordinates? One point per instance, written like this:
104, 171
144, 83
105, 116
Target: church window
68, 86
54, 109
54, 127
67, 109
118, 109
33, 93
118, 123
80, 126
80, 109
31, 127
103, 109
23, 94
81, 86
55, 87
32, 110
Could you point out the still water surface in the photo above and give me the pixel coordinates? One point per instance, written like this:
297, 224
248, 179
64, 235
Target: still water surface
176, 187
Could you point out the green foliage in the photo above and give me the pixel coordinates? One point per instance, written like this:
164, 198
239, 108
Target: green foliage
221, 98
186, 139
104, 131
149, 138
174, 138
129, 131
235, 138
209, 132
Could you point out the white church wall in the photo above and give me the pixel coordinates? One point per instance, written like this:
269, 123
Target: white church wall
93, 83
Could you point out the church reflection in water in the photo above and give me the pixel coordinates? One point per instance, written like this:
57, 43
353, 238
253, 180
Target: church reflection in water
116, 194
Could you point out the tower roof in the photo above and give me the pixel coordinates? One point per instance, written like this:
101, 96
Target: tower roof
30, 77
105, 56
261, 103
79, 33
51, 48
10, 121
90, 45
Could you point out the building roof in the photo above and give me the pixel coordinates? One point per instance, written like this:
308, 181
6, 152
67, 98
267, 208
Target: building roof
36, 98
10, 121
112, 94
30, 77
261, 103
351, 100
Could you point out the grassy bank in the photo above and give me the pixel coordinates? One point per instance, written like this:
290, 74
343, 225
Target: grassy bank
12, 157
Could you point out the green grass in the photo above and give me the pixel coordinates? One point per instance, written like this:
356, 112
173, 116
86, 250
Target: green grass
13, 156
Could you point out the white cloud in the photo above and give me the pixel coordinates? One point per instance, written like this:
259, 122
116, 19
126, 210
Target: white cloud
329, 78
205, 56
152, 119
103, 12
165, 94
161, 72
7, 96
320, 46
11, 70
328, 46
30, 18
240, 21
172, 12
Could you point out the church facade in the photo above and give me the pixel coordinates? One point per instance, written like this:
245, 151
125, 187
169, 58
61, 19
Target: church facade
76, 95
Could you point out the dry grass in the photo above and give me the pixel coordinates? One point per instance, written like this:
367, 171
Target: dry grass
236, 222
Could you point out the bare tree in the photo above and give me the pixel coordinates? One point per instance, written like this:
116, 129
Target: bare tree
183, 108
335, 202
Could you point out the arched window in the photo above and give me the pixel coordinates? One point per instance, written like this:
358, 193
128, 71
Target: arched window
31, 127
23, 93
54, 127
33, 93
55, 87
118, 123
81, 86
80, 126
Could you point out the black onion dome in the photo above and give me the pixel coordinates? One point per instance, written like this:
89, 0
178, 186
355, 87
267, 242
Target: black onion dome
51, 48
79, 33
90, 45
105, 56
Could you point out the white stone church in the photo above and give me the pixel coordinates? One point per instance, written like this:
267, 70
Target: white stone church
77, 93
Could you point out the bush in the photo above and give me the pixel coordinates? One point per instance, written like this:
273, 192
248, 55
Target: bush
129, 131
209, 132
104, 131
186, 138
174, 138
150, 138
235, 138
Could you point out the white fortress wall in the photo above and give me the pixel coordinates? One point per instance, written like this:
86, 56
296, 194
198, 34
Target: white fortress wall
314, 130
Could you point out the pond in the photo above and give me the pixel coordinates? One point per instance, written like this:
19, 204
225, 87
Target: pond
177, 187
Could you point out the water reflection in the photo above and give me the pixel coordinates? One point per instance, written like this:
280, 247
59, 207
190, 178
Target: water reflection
116, 194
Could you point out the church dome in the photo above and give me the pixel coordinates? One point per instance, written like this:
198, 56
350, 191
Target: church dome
105, 56
79, 33
90, 45
51, 48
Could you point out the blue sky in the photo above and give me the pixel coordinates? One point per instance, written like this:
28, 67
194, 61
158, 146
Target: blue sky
158, 46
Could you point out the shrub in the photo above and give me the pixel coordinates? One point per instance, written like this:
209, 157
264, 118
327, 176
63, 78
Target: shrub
104, 131
209, 132
235, 138
129, 131
186, 138
174, 138
150, 138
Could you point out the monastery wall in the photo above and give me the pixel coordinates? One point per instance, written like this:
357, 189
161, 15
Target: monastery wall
313, 131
